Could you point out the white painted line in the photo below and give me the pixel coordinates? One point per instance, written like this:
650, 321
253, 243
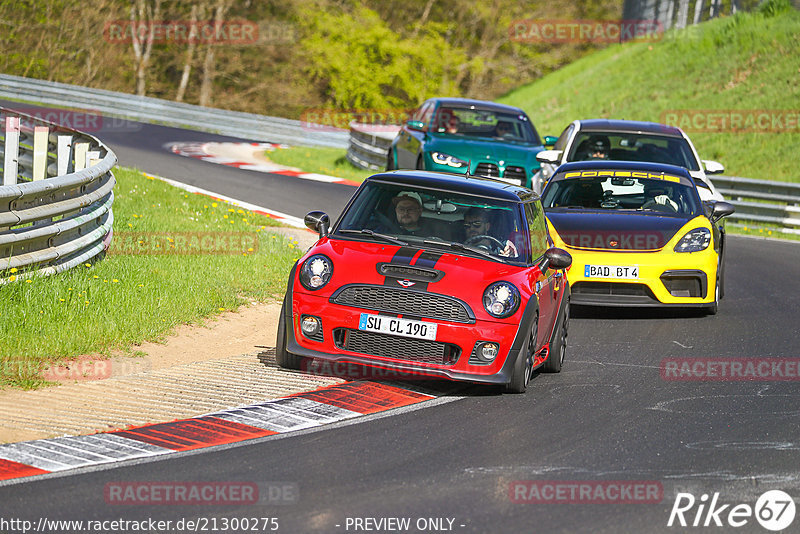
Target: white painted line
283, 217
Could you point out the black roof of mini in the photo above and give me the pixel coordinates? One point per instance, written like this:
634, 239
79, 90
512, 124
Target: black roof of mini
471, 185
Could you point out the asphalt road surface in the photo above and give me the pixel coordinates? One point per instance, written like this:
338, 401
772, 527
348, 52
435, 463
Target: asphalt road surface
610, 415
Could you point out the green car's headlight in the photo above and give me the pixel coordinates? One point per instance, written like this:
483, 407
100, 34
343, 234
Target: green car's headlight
441, 158
694, 240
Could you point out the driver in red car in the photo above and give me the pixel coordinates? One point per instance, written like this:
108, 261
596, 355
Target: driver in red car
477, 228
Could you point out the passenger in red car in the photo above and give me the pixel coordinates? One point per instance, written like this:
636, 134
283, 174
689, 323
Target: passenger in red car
408, 209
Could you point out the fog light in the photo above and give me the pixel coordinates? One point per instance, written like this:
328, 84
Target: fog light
489, 351
310, 325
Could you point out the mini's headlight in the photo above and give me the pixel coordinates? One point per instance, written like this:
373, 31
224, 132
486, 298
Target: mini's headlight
316, 272
447, 159
501, 299
694, 240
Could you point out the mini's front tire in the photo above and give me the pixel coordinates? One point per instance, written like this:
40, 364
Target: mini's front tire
523, 366
285, 359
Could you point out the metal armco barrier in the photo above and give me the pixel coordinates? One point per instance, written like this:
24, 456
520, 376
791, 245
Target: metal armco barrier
55, 197
775, 204
369, 145
145, 109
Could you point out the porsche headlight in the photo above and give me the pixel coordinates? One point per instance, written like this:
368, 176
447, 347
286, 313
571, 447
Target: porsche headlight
446, 159
501, 299
316, 272
694, 240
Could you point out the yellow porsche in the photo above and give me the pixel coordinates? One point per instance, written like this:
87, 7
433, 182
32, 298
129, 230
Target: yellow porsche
638, 233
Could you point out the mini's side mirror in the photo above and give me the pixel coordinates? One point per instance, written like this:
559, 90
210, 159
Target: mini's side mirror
556, 258
721, 209
549, 156
415, 125
713, 167
550, 140
318, 221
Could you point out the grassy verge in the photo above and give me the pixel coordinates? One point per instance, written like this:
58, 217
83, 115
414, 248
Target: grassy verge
747, 62
330, 161
138, 292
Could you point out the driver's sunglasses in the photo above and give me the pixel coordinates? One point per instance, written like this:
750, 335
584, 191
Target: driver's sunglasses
474, 224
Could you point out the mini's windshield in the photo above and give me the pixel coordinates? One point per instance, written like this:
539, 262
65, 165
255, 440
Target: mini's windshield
484, 124
618, 193
633, 147
424, 217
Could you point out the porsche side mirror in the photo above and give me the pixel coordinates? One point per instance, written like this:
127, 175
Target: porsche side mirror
415, 125
550, 140
318, 221
713, 167
549, 156
721, 209
556, 258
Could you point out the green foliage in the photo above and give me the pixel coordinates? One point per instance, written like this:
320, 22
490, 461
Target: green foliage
362, 64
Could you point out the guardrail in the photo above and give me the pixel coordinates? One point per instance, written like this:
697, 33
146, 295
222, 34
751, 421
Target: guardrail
147, 109
55, 197
369, 145
775, 204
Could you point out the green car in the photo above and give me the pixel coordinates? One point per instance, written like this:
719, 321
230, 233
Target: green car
447, 134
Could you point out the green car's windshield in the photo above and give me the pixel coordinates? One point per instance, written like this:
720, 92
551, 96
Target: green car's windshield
470, 122
424, 217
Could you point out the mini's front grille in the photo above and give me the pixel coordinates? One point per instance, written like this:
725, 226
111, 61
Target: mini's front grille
487, 169
515, 173
404, 302
612, 288
400, 348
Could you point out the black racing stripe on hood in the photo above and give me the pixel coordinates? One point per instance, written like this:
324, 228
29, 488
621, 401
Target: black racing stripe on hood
403, 255
428, 259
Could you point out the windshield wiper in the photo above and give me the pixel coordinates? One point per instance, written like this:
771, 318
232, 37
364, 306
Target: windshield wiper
461, 246
367, 231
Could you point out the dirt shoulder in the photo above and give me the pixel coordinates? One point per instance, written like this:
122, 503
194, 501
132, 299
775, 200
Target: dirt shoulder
198, 369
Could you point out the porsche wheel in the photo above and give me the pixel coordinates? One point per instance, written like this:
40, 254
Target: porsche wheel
521, 374
714, 308
284, 358
558, 349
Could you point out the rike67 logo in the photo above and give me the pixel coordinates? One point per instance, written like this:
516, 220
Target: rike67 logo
774, 510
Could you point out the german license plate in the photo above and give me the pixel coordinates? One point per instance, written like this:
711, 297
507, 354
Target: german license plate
624, 272
396, 326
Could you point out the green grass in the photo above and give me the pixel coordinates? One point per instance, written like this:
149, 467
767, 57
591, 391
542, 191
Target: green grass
744, 62
330, 161
127, 298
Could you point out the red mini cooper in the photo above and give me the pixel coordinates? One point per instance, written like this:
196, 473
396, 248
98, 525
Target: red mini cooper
432, 275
